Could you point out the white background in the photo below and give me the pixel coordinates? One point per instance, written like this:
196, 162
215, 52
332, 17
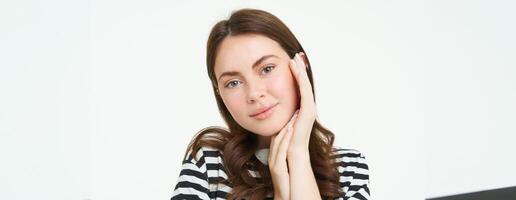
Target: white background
98, 99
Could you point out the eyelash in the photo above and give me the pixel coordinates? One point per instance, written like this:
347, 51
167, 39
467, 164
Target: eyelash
266, 67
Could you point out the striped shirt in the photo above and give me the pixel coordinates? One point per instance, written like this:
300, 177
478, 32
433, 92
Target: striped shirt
199, 179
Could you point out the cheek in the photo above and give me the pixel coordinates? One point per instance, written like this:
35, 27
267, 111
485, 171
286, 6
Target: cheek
235, 104
284, 87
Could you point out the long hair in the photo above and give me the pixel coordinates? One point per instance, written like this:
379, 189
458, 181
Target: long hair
237, 144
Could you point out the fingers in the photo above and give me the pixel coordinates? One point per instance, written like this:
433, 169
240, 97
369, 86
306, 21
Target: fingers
299, 69
277, 141
283, 146
303, 80
272, 151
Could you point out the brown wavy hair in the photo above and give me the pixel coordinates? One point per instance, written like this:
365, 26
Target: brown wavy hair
237, 144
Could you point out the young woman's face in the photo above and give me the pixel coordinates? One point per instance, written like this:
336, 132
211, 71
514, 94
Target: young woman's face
253, 75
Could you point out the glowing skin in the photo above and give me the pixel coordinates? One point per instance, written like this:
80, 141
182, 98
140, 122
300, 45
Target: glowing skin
268, 83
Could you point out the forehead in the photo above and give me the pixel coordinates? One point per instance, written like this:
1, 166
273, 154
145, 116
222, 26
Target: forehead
239, 52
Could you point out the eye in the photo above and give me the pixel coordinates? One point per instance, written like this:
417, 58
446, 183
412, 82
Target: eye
268, 69
231, 84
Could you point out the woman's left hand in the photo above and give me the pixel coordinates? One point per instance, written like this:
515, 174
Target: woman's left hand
307, 113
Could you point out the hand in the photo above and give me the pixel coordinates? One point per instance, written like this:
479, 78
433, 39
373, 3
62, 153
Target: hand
307, 112
278, 161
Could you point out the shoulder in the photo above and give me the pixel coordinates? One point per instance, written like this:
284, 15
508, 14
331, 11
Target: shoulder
200, 172
350, 160
204, 155
354, 171
349, 155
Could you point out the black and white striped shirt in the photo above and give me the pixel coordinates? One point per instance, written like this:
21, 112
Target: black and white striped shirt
198, 179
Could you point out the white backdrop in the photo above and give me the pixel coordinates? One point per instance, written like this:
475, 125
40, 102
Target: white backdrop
100, 98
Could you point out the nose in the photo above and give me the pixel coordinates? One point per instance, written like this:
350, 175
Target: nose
256, 93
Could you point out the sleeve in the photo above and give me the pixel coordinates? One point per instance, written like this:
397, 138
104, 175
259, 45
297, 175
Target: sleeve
359, 186
192, 183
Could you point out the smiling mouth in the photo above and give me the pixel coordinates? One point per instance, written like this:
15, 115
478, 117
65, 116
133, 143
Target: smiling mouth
265, 113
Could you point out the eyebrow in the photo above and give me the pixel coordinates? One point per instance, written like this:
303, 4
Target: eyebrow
256, 63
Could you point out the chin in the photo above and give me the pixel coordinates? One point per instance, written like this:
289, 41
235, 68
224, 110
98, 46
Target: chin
268, 130
271, 126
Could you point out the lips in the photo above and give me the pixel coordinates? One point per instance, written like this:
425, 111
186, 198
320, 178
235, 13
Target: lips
262, 110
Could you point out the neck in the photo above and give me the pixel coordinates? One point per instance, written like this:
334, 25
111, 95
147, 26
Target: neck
264, 142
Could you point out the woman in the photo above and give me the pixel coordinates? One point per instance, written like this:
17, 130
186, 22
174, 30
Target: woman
274, 147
